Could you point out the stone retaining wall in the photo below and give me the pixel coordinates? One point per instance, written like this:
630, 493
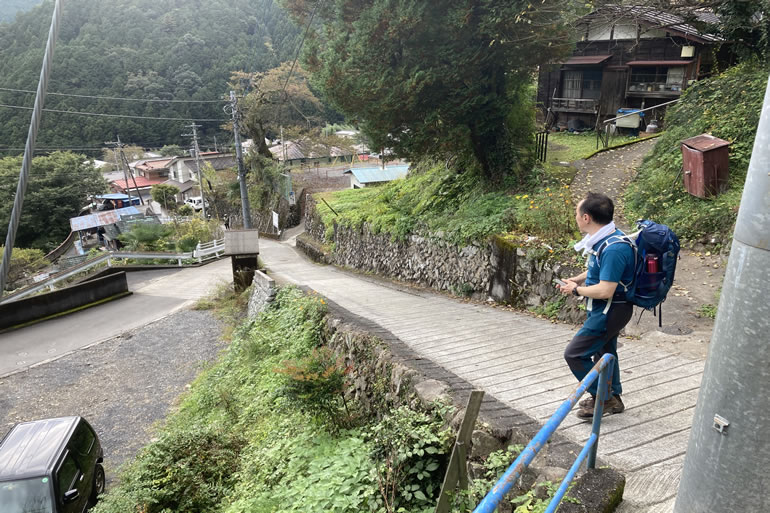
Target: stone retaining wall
262, 294
496, 269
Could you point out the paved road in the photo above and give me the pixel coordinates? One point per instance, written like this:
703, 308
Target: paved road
518, 359
156, 295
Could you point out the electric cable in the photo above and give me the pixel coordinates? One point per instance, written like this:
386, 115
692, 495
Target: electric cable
97, 114
147, 100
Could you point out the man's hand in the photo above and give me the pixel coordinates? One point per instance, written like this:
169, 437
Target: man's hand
569, 287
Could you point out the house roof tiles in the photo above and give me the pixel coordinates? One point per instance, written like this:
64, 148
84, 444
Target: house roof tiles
141, 182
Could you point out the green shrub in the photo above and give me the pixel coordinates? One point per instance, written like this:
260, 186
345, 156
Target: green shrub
187, 243
493, 469
727, 106
317, 384
148, 237
185, 211
24, 263
187, 469
203, 230
409, 447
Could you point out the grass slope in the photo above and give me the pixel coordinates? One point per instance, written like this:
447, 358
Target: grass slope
248, 439
727, 106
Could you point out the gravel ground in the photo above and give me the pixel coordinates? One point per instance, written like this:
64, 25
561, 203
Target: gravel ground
122, 386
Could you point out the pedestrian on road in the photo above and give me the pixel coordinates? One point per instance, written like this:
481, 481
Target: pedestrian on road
227, 222
607, 311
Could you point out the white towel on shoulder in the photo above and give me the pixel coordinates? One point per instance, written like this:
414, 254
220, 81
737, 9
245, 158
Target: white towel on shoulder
588, 241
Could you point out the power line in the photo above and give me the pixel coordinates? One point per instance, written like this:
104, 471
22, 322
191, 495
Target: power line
97, 114
299, 48
148, 100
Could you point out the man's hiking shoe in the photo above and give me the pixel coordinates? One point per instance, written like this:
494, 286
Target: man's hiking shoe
587, 403
611, 406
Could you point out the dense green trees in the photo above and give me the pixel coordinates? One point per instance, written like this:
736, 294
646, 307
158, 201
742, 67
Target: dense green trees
59, 186
158, 49
165, 195
9, 8
441, 78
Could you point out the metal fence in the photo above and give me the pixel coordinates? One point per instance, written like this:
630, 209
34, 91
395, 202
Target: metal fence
601, 371
202, 252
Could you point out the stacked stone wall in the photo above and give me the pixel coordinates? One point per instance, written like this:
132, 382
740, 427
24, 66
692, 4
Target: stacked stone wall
494, 269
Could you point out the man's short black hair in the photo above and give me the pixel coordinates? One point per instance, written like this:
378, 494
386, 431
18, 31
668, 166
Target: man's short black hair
599, 207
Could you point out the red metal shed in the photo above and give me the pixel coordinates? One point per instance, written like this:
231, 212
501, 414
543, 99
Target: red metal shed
706, 165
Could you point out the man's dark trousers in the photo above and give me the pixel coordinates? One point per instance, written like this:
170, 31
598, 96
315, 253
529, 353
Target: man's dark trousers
588, 346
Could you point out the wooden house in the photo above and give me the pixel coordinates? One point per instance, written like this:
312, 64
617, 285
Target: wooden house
627, 57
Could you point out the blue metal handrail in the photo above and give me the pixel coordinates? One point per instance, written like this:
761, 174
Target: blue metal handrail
602, 371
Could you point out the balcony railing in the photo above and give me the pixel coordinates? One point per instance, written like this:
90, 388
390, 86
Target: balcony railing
574, 105
655, 84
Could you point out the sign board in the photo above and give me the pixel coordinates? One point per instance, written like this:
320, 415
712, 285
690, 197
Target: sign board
292, 198
275, 219
241, 242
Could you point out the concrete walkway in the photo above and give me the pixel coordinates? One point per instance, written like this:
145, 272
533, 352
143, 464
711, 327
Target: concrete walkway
518, 359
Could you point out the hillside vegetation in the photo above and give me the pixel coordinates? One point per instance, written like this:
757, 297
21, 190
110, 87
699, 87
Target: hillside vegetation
156, 49
457, 206
9, 8
267, 429
727, 106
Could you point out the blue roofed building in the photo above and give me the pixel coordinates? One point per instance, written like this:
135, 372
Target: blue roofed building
367, 176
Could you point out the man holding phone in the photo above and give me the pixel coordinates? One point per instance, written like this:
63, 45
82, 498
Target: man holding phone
607, 311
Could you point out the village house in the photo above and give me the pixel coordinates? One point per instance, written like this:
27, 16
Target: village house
628, 58
181, 172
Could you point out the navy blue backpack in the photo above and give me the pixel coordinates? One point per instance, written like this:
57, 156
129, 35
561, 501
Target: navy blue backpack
656, 251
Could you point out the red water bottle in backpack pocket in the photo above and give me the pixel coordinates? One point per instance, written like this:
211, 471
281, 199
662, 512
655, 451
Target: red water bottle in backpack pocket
653, 263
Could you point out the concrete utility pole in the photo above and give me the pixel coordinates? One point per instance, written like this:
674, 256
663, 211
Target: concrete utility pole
127, 174
246, 208
197, 151
727, 467
29, 149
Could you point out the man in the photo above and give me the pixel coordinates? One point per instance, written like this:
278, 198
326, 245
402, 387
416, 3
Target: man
606, 308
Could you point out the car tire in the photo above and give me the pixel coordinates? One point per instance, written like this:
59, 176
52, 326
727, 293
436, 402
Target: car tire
98, 484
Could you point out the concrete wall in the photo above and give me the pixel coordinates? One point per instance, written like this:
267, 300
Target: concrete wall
505, 271
63, 300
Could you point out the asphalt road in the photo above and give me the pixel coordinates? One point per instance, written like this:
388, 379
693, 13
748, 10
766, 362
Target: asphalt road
123, 386
156, 294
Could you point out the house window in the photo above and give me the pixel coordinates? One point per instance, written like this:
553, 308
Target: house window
572, 80
584, 84
656, 79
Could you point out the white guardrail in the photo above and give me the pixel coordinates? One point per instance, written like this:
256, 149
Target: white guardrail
201, 253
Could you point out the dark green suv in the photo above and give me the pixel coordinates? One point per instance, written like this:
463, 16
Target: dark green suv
50, 466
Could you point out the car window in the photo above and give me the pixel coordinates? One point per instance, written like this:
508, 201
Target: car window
82, 440
67, 475
26, 496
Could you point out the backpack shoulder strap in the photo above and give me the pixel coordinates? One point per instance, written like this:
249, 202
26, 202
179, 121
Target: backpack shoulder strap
615, 239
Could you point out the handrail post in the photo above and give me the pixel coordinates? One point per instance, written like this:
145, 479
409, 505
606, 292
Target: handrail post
605, 379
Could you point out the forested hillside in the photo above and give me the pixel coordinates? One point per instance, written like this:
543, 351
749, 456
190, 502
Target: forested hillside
9, 8
156, 49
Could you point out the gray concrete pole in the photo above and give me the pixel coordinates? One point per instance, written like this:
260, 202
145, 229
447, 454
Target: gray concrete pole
727, 467
29, 150
241, 170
